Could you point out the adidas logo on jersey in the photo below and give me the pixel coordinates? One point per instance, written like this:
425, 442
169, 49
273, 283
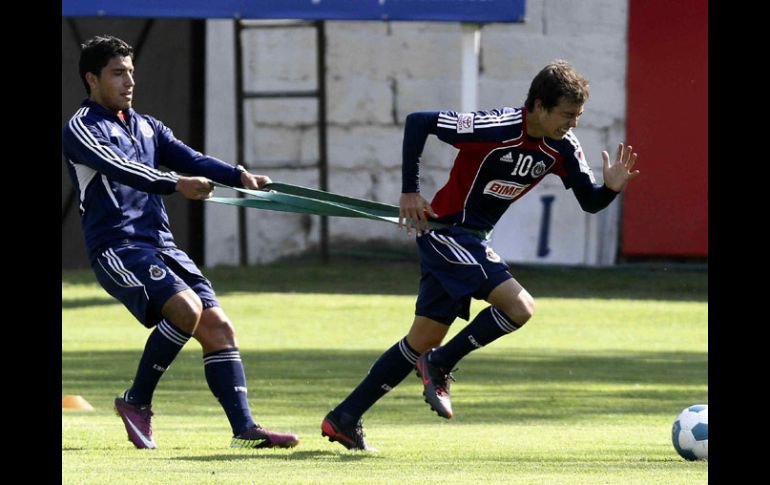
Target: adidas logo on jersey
114, 132
508, 157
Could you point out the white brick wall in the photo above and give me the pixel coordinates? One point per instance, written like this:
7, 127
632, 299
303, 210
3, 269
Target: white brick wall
378, 72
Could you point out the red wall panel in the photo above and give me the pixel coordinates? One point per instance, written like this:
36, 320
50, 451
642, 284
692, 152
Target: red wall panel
665, 211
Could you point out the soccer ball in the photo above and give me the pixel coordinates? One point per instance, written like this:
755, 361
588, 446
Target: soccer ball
690, 433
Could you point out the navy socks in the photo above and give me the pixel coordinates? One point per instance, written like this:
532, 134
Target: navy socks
386, 373
489, 325
162, 347
227, 381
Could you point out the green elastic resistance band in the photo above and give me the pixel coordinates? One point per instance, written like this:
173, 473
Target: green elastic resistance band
303, 200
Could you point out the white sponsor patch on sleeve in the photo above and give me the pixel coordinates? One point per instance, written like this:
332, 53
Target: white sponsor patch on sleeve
465, 123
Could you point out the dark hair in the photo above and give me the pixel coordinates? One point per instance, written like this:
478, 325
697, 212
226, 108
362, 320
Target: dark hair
97, 52
555, 80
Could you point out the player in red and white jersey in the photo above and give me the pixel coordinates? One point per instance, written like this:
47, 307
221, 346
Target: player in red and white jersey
503, 154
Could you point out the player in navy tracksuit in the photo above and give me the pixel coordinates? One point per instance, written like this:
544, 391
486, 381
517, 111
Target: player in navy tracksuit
503, 154
113, 154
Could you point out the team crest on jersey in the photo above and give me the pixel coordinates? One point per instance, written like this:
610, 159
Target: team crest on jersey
146, 129
465, 123
538, 169
492, 255
157, 273
503, 189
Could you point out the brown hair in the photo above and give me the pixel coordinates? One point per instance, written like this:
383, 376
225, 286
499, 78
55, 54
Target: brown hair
555, 80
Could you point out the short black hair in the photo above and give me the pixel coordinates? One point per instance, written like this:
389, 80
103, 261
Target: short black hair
96, 53
556, 80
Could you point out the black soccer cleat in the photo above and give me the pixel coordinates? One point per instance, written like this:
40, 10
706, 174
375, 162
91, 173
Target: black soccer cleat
436, 385
350, 436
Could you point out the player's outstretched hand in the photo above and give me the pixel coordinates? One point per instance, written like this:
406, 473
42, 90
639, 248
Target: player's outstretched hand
413, 212
195, 188
617, 175
254, 182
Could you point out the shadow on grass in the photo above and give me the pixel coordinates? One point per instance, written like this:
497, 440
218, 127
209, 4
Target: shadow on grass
516, 386
88, 302
402, 278
288, 456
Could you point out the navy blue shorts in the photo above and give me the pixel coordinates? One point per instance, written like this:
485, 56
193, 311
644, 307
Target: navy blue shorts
456, 265
144, 278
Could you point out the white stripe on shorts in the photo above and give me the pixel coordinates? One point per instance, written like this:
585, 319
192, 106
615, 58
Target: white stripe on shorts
462, 254
116, 265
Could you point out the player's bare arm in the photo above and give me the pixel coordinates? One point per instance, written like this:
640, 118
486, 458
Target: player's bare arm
412, 213
617, 175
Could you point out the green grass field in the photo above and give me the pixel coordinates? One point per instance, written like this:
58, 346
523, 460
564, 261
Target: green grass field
584, 394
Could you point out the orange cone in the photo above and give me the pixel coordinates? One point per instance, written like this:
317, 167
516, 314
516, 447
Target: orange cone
76, 402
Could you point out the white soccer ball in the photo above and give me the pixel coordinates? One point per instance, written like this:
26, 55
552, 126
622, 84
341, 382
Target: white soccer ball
690, 433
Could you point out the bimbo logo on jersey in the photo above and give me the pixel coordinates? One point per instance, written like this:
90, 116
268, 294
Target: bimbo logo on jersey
503, 189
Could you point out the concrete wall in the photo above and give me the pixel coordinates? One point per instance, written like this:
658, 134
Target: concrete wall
377, 73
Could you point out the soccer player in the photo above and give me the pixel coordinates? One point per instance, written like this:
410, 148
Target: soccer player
113, 154
503, 154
